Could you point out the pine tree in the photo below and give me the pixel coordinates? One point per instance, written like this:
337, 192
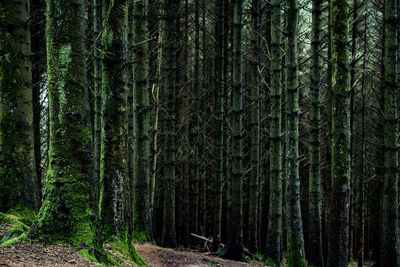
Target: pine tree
255, 126
235, 246
168, 83
97, 76
68, 213
390, 226
273, 245
340, 172
141, 125
295, 242
116, 200
315, 196
18, 179
220, 85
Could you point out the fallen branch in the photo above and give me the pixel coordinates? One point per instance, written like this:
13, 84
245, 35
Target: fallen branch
246, 251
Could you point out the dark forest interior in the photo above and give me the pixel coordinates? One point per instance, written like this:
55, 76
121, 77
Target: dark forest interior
254, 131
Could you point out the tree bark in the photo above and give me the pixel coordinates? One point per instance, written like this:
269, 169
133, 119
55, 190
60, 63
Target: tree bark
340, 184
273, 247
235, 246
390, 227
315, 195
18, 180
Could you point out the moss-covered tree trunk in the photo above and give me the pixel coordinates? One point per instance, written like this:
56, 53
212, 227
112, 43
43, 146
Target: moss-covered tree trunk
68, 213
235, 245
273, 244
254, 127
220, 85
141, 125
315, 194
168, 83
116, 197
390, 227
114, 180
340, 165
295, 242
18, 180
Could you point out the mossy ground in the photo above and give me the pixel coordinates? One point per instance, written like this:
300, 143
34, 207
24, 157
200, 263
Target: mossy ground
15, 226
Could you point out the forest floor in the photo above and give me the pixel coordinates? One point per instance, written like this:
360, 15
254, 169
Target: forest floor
60, 255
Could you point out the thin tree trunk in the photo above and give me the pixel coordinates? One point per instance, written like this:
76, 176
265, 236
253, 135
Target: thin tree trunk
255, 127
38, 45
295, 242
97, 76
220, 85
315, 196
273, 247
235, 246
168, 65
196, 84
141, 123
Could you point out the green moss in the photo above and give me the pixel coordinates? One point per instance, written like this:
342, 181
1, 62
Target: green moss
18, 239
270, 262
128, 251
17, 233
140, 236
15, 221
295, 259
25, 215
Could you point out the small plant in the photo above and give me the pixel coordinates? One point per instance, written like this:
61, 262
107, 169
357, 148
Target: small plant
269, 262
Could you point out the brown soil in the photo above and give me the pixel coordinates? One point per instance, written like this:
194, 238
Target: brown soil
59, 255
162, 257
33, 255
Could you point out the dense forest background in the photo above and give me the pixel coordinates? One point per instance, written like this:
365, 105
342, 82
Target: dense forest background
268, 128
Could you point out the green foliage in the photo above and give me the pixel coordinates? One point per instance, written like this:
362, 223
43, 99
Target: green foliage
140, 236
294, 257
18, 231
127, 251
270, 262
219, 253
14, 240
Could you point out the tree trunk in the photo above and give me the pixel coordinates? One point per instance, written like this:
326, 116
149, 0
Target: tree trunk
340, 184
141, 125
196, 84
220, 85
295, 242
97, 77
315, 231
235, 246
19, 185
68, 213
273, 247
168, 73
116, 207
38, 45
255, 127
390, 227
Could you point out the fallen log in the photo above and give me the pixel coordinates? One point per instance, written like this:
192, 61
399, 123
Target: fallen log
246, 251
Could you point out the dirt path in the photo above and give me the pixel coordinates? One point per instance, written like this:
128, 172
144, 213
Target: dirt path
163, 257
21, 255
32, 255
